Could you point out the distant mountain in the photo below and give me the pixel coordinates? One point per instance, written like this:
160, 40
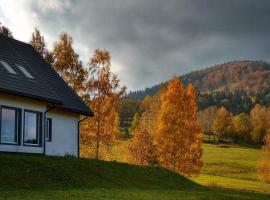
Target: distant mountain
249, 76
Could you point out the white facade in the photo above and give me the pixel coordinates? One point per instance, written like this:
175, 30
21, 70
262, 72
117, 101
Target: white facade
64, 134
64, 139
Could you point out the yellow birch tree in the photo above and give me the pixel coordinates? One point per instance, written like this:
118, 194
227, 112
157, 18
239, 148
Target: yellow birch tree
222, 125
141, 147
67, 63
104, 91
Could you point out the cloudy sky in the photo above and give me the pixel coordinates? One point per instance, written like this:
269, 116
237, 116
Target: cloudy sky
149, 40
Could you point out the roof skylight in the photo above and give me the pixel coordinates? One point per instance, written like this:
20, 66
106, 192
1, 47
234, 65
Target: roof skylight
7, 67
24, 71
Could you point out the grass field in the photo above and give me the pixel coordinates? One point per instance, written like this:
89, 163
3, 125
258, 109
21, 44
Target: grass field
37, 177
226, 166
232, 167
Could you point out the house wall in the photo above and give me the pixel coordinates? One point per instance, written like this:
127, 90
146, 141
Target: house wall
64, 134
64, 128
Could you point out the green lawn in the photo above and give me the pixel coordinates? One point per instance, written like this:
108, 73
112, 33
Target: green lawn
37, 177
226, 166
232, 167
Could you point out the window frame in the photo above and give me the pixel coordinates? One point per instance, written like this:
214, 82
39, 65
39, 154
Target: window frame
18, 127
38, 129
48, 135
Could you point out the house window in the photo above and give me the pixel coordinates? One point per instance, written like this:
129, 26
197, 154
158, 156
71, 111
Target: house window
10, 127
25, 72
49, 129
7, 67
32, 128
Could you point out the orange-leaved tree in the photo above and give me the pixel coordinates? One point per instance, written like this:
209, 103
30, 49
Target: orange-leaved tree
222, 125
104, 91
38, 42
260, 117
141, 148
67, 63
264, 166
151, 107
179, 136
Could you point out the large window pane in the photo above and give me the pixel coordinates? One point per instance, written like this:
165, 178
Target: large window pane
9, 125
31, 128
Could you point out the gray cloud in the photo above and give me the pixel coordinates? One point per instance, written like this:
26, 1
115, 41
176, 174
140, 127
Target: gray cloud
151, 40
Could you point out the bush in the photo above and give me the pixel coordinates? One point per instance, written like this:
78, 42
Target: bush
264, 171
264, 167
125, 132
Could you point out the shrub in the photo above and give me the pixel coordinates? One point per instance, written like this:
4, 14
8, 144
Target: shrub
264, 171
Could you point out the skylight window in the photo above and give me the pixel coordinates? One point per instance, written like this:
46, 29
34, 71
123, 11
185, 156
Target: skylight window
7, 67
24, 71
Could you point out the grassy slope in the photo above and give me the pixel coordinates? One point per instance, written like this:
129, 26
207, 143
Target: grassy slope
38, 177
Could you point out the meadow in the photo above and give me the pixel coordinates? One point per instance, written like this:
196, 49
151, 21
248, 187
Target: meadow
229, 173
231, 167
225, 166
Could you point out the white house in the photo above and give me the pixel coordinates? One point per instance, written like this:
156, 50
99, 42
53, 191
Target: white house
39, 112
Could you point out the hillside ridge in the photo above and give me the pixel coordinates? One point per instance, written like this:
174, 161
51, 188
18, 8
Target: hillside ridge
250, 76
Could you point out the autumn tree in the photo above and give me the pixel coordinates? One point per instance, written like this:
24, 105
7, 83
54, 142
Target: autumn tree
67, 63
179, 136
126, 109
38, 42
141, 148
222, 125
264, 166
150, 107
135, 122
104, 92
242, 128
5, 31
146, 103
260, 116
206, 119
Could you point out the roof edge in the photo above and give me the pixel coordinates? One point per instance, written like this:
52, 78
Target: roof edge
81, 112
35, 97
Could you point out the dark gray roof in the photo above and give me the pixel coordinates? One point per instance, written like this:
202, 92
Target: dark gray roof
23, 72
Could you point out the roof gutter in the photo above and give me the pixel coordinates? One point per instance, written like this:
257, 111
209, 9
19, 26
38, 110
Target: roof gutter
78, 140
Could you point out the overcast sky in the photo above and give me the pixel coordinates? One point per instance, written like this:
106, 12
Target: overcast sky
149, 40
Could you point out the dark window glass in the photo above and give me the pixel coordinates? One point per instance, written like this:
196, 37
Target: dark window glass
32, 127
9, 125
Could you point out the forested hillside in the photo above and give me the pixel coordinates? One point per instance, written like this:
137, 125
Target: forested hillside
241, 89
249, 76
